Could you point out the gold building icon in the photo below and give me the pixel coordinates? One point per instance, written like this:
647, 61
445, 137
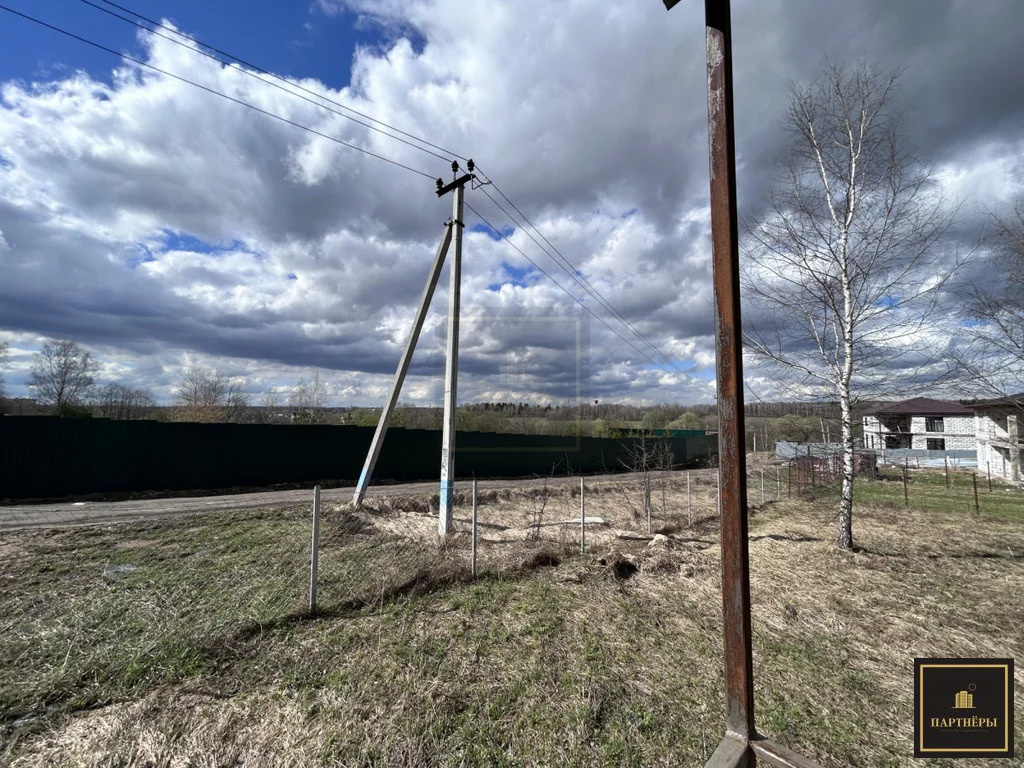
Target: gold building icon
964, 700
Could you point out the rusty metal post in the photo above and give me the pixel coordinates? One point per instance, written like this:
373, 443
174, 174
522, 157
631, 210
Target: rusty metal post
906, 497
739, 678
736, 750
974, 478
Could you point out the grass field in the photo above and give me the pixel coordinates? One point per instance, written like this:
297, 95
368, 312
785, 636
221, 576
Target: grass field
927, 489
185, 641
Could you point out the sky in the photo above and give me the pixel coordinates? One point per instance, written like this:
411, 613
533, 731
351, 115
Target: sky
163, 226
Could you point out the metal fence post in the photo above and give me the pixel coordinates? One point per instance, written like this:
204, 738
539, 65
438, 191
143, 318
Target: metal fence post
988, 468
974, 479
762, 487
906, 497
314, 557
474, 528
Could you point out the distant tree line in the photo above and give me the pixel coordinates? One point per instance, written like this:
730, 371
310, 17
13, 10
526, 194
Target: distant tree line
63, 380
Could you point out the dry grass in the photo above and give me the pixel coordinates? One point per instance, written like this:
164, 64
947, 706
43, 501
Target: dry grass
549, 658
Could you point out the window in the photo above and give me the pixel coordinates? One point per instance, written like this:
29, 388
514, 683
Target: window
936, 444
933, 424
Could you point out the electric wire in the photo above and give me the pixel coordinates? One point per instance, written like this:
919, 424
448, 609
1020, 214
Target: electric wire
574, 273
262, 71
582, 279
563, 288
572, 270
253, 74
215, 92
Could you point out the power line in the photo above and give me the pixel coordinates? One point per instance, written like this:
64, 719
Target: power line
450, 154
572, 270
585, 284
563, 288
215, 92
581, 280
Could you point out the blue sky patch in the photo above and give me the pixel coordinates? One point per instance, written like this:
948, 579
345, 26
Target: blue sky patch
296, 39
483, 228
519, 276
142, 256
179, 241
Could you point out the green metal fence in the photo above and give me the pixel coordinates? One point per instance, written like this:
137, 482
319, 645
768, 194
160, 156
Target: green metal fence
49, 457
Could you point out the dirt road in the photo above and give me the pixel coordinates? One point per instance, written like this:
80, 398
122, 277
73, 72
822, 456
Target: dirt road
89, 512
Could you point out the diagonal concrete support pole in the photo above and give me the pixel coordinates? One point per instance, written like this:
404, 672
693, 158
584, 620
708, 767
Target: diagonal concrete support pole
403, 367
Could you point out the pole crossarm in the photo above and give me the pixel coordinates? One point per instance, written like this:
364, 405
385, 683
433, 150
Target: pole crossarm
403, 366
459, 182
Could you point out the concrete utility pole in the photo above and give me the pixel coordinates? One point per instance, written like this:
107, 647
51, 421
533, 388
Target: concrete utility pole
452, 230
451, 370
452, 352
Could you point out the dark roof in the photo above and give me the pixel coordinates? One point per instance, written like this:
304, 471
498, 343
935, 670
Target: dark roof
922, 406
1010, 401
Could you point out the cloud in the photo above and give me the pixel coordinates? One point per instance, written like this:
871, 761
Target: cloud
154, 222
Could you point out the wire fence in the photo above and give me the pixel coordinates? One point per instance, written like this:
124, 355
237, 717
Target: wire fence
102, 612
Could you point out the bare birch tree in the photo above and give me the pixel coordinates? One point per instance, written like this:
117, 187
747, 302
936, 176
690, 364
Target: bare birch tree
989, 358
842, 272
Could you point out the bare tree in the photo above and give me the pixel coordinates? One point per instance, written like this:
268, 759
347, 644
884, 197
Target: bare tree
841, 271
270, 405
990, 358
309, 400
62, 374
116, 401
207, 395
644, 455
5, 355
236, 402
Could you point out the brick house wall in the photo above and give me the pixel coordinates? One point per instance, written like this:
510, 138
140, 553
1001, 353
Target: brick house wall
957, 433
998, 430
